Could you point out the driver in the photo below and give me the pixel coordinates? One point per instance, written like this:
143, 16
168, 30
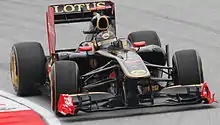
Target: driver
105, 39
100, 23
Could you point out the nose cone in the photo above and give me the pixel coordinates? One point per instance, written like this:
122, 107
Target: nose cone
102, 23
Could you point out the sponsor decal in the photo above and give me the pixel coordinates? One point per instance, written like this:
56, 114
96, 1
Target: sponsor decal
66, 105
133, 61
138, 72
105, 36
76, 7
154, 88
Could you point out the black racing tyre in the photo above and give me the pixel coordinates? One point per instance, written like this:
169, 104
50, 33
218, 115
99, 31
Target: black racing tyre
187, 67
64, 80
150, 37
27, 67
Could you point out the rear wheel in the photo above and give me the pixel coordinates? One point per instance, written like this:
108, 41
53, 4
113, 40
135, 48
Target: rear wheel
64, 80
150, 37
27, 67
187, 68
154, 55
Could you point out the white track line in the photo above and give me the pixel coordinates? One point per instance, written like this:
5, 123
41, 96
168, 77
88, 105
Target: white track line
49, 117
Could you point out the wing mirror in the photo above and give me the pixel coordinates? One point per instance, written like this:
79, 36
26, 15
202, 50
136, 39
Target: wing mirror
85, 48
139, 44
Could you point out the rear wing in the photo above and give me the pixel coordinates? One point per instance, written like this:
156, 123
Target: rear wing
80, 12
75, 12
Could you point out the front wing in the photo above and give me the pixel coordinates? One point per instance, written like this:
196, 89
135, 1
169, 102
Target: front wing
103, 101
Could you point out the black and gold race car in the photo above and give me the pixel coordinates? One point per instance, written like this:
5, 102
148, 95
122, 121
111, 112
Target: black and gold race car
106, 72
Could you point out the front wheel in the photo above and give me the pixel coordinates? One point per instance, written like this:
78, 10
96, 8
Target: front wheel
187, 68
64, 80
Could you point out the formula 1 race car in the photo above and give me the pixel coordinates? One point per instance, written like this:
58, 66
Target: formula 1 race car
105, 72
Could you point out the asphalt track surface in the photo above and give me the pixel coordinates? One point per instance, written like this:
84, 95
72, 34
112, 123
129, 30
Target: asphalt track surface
182, 24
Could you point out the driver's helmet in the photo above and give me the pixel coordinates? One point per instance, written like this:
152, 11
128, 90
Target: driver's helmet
105, 38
